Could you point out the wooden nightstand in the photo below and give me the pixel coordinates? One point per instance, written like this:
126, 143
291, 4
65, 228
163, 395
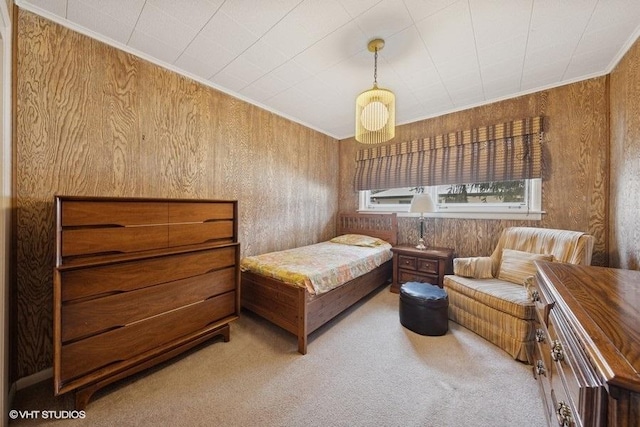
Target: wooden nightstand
415, 265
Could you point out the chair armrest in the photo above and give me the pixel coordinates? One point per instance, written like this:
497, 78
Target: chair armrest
473, 267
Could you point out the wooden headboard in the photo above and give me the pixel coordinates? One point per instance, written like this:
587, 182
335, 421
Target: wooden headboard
381, 225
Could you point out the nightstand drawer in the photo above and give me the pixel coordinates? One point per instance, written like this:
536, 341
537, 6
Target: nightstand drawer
428, 266
408, 262
409, 276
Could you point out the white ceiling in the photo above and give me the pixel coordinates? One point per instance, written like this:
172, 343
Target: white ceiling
307, 60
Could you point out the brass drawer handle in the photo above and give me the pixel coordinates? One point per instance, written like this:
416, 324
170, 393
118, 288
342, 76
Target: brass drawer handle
540, 335
557, 353
563, 412
535, 295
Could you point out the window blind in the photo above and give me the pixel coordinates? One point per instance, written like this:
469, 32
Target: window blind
502, 152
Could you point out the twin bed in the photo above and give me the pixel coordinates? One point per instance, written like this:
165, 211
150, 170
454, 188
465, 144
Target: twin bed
302, 289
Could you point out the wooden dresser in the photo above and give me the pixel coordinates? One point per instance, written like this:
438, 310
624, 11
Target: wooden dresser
587, 359
136, 282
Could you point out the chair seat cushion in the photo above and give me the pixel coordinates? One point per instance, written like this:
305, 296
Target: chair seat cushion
498, 294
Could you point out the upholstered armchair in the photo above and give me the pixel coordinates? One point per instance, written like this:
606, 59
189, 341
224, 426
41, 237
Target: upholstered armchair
489, 294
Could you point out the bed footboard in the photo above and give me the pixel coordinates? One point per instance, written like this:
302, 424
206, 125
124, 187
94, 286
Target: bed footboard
325, 307
274, 300
297, 311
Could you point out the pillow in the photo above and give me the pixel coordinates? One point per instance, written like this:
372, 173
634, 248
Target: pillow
358, 240
473, 267
516, 266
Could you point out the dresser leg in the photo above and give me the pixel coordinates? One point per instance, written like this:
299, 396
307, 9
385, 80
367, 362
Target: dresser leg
224, 331
83, 395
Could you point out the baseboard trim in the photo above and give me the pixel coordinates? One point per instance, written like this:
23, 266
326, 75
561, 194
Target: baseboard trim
32, 379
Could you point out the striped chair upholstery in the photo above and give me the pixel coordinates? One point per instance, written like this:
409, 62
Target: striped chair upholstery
499, 310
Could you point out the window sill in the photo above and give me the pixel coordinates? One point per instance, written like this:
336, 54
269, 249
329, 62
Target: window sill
523, 216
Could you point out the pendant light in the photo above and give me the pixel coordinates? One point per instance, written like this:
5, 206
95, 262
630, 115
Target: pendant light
375, 108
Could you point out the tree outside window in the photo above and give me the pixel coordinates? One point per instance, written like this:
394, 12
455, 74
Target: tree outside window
483, 192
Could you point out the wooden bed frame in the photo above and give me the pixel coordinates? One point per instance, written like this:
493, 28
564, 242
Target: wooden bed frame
299, 312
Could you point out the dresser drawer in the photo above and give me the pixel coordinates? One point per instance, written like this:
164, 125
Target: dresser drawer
541, 372
565, 392
110, 240
545, 370
207, 232
543, 302
99, 351
93, 281
407, 262
561, 409
558, 403
90, 317
428, 266
200, 211
96, 213
571, 389
411, 276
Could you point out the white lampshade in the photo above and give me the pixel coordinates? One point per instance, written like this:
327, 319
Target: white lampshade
422, 203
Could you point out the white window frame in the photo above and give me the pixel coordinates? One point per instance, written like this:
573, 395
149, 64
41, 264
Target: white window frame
529, 210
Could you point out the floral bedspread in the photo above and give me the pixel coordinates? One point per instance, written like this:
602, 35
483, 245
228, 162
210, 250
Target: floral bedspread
320, 267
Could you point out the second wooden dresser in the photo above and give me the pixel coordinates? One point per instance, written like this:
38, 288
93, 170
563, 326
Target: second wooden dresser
138, 281
587, 357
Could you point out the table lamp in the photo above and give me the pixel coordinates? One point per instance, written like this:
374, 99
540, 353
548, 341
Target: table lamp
422, 203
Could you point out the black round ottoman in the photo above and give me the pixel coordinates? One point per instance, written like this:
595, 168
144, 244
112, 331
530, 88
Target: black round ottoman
424, 308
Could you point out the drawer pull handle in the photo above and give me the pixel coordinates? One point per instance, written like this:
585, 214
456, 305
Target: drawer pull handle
557, 353
540, 335
535, 295
563, 412
540, 368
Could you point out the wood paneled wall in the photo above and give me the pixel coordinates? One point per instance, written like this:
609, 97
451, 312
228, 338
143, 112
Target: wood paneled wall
93, 120
575, 162
625, 162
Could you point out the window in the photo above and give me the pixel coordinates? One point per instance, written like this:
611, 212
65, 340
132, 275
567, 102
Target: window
508, 199
501, 165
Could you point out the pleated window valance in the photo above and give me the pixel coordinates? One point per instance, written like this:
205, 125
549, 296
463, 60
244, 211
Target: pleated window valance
502, 152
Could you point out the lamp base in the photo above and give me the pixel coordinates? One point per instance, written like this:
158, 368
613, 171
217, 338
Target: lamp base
421, 245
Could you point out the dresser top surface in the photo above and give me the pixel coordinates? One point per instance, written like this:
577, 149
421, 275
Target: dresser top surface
606, 303
428, 252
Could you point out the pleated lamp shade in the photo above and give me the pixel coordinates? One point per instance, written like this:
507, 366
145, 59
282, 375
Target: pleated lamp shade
375, 116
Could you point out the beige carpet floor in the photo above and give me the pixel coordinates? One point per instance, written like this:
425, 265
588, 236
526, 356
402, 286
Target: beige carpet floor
362, 369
